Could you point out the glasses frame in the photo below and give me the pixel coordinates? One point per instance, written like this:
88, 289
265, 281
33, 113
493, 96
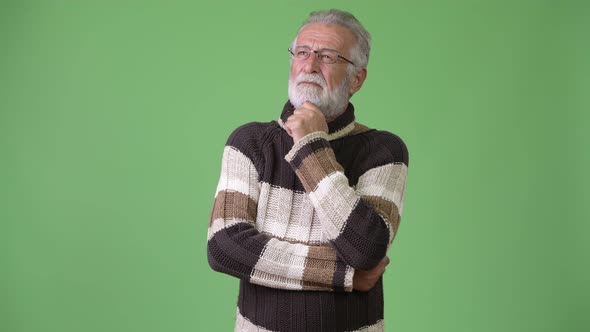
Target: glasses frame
317, 54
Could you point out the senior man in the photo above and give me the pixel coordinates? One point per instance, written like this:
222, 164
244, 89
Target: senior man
307, 206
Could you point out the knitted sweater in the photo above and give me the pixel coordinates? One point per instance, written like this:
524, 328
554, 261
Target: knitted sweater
294, 221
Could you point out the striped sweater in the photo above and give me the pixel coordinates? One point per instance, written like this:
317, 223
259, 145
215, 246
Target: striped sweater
294, 221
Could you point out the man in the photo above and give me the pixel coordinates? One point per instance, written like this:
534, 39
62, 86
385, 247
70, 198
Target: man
307, 207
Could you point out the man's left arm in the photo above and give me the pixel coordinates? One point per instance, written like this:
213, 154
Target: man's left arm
361, 222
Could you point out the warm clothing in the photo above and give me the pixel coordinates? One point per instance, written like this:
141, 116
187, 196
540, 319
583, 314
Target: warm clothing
294, 221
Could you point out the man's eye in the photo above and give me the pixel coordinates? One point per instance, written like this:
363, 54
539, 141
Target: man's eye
302, 53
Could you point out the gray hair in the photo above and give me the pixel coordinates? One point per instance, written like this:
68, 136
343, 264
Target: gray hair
359, 53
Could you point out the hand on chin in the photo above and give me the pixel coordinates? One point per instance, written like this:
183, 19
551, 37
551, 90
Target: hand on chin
305, 120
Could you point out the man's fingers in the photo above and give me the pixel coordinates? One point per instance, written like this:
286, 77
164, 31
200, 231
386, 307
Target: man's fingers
294, 119
385, 262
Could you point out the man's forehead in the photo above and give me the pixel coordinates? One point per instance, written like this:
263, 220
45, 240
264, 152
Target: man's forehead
325, 36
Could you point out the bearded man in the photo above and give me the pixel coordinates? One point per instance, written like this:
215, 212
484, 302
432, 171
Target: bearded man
307, 206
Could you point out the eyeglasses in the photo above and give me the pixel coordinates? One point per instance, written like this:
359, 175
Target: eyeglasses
325, 55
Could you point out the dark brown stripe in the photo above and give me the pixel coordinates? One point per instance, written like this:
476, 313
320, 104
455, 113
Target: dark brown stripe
364, 239
235, 250
343, 120
233, 204
311, 310
339, 276
309, 148
313, 305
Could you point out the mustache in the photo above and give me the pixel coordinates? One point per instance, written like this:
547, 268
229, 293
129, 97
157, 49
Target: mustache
314, 78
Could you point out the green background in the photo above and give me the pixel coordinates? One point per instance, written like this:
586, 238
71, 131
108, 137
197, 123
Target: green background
113, 117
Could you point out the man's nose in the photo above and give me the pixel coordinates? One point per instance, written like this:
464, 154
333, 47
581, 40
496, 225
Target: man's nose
312, 64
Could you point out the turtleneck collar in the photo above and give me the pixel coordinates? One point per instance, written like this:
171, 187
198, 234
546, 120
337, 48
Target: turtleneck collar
339, 127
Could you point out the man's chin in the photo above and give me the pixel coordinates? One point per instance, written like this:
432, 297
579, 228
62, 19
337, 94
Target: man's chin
316, 102
302, 98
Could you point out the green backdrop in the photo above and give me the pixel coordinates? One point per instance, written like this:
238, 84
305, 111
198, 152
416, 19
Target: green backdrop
114, 114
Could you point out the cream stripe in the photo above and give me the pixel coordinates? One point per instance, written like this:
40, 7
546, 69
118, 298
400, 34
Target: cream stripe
400, 189
274, 281
275, 210
334, 201
348, 278
390, 229
280, 258
342, 132
293, 219
377, 327
387, 181
238, 174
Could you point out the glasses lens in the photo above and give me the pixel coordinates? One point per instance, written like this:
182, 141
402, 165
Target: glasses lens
328, 56
301, 52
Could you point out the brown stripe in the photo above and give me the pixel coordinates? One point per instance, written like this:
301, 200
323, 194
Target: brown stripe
233, 204
384, 208
316, 286
319, 266
317, 166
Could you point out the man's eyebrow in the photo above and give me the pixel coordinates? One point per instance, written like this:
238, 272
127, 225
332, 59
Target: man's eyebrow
321, 49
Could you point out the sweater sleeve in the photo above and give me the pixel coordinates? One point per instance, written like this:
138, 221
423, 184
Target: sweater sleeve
237, 248
361, 222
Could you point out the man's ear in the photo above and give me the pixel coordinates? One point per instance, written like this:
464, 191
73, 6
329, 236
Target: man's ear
357, 81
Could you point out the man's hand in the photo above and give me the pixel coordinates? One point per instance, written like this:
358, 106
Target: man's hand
365, 280
305, 120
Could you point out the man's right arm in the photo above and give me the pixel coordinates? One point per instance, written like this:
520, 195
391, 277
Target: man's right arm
235, 246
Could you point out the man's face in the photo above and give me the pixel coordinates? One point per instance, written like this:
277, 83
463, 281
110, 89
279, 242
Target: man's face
328, 86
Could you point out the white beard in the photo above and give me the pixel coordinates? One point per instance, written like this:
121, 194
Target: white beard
331, 103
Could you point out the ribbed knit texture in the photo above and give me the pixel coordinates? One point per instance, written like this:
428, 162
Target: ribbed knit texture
293, 222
